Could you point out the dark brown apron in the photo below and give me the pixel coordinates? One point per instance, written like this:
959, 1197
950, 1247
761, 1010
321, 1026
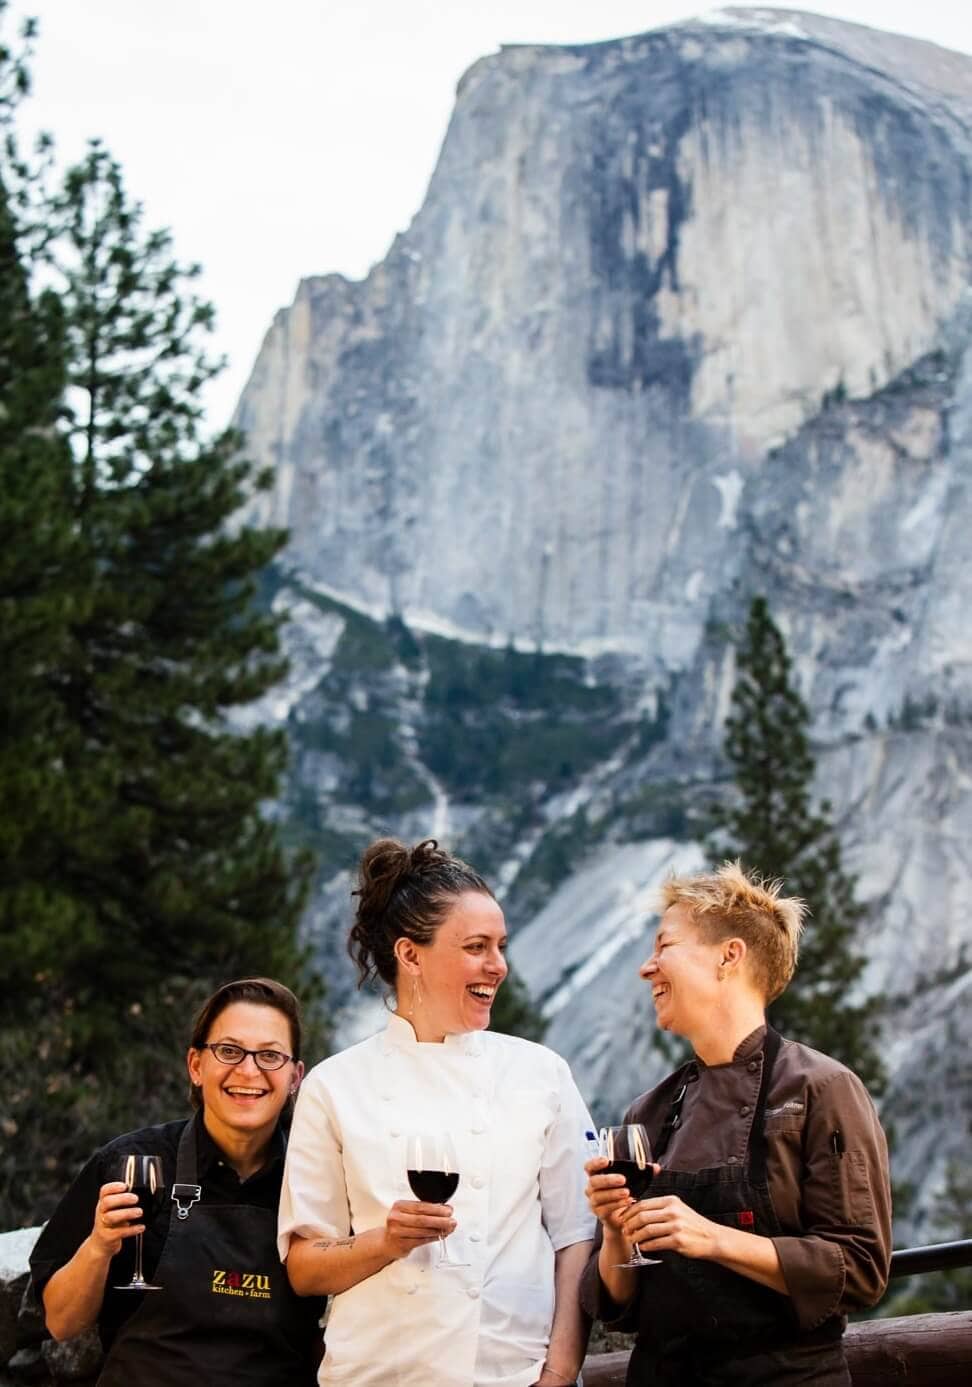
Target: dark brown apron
701, 1325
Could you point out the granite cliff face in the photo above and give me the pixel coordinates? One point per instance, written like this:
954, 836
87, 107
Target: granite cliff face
684, 317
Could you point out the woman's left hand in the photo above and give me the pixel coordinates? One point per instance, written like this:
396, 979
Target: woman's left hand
669, 1225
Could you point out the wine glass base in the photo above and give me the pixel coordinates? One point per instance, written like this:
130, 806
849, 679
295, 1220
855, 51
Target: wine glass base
641, 1262
138, 1286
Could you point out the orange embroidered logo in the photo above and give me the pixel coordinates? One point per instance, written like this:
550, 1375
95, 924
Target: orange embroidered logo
250, 1285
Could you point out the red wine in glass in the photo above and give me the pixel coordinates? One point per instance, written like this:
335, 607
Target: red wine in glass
629, 1154
433, 1174
433, 1186
636, 1178
143, 1176
150, 1201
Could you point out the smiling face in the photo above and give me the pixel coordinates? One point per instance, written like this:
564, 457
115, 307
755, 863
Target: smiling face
447, 987
684, 974
241, 1100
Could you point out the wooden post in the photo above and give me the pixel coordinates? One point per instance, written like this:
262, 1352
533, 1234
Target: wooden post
920, 1350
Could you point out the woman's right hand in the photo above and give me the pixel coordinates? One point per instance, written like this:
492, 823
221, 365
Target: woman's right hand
411, 1224
113, 1214
608, 1195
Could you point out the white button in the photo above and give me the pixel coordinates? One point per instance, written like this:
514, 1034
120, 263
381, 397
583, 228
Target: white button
474, 1237
394, 1132
478, 1130
477, 1182
386, 1097
412, 1290
473, 1293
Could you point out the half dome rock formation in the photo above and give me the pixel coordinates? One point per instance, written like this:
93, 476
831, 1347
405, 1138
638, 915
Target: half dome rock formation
684, 318
640, 265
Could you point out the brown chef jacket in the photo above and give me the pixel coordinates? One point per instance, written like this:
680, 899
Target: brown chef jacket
827, 1169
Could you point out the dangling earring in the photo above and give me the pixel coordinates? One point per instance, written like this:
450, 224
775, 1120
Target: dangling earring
416, 995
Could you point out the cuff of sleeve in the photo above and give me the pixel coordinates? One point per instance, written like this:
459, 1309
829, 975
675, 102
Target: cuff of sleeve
580, 1234
814, 1272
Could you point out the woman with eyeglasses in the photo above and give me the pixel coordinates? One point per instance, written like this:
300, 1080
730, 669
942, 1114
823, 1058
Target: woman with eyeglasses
218, 1308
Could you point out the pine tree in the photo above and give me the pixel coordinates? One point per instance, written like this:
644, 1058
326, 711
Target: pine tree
771, 825
165, 873
44, 579
175, 859
43, 589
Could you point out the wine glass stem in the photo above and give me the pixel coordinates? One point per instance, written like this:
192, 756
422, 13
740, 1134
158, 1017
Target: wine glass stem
138, 1257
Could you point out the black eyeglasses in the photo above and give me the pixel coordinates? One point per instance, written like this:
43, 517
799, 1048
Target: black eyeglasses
228, 1053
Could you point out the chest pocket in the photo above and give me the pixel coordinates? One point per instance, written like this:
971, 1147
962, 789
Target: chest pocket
787, 1117
783, 1126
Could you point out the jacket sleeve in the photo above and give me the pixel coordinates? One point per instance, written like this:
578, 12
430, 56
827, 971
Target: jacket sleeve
313, 1194
840, 1261
69, 1224
563, 1206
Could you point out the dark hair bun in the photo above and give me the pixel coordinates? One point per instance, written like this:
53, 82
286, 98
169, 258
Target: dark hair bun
403, 891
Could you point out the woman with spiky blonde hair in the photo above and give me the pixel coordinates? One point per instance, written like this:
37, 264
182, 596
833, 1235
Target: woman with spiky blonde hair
769, 1213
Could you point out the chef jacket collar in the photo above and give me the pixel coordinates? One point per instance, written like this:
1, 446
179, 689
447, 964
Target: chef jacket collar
749, 1048
399, 1035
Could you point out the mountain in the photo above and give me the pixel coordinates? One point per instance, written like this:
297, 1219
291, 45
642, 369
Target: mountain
684, 317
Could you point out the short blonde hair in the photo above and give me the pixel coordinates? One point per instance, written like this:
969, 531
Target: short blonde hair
730, 902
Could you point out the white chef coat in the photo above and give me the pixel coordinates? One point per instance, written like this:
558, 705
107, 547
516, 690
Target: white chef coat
520, 1128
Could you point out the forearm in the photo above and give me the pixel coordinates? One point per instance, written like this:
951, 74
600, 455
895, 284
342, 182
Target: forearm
619, 1281
328, 1266
571, 1327
73, 1296
751, 1256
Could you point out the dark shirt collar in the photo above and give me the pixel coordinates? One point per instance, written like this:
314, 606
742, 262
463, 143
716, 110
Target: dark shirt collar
210, 1157
751, 1045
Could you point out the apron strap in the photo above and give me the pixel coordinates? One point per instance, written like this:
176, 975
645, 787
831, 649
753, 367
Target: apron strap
688, 1074
186, 1191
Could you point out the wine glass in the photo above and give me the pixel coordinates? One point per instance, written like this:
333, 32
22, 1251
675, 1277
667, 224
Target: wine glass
629, 1152
433, 1174
143, 1176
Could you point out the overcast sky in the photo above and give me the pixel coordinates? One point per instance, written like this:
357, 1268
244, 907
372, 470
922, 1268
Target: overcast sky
296, 138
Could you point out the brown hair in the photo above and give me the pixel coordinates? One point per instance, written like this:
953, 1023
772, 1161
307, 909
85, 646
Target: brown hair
403, 891
731, 902
261, 992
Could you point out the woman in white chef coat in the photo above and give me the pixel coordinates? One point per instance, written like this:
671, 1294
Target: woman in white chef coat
430, 928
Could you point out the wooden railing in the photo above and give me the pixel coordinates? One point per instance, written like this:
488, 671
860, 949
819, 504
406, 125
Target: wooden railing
917, 1350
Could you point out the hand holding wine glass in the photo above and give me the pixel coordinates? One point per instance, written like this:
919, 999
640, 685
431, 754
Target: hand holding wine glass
141, 1176
115, 1218
433, 1174
628, 1153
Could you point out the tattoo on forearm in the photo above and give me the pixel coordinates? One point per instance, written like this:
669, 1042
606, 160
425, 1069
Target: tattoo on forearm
325, 1243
